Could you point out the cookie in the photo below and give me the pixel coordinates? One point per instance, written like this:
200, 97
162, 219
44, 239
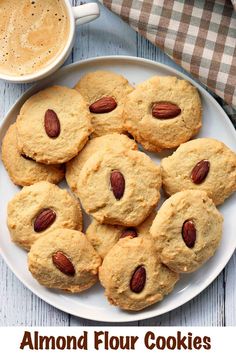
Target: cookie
206, 164
118, 142
163, 112
105, 93
38, 209
64, 259
103, 237
187, 230
133, 276
119, 188
22, 170
53, 125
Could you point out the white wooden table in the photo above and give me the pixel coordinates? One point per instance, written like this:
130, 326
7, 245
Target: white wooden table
216, 306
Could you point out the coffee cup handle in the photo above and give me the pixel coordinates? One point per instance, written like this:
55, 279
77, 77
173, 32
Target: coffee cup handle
86, 13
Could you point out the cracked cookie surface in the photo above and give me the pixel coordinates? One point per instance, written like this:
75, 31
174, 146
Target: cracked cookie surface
64, 259
118, 268
26, 206
97, 85
118, 142
185, 251
136, 177
220, 180
22, 170
73, 129
156, 134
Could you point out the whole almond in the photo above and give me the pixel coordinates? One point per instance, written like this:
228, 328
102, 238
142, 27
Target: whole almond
189, 233
52, 124
200, 171
44, 219
165, 110
103, 105
138, 280
117, 184
62, 262
129, 232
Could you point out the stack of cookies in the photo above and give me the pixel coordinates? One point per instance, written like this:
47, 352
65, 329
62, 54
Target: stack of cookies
89, 134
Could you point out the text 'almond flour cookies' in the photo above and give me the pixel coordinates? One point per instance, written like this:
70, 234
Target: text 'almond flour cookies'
64, 259
206, 164
119, 188
22, 170
103, 237
39, 209
163, 112
133, 276
105, 93
53, 125
187, 230
118, 142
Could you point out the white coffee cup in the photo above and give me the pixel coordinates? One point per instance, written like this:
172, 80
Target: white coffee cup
77, 15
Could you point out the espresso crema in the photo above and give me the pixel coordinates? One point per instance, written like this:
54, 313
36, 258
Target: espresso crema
32, 34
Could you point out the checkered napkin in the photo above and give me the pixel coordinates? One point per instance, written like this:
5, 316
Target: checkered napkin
199, 35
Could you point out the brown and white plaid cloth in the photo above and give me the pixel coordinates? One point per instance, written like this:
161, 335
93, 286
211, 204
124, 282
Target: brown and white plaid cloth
199, 35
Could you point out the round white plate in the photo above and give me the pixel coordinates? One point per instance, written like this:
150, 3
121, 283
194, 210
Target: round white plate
92, 304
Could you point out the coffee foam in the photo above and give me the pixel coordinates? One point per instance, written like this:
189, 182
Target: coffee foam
32, 34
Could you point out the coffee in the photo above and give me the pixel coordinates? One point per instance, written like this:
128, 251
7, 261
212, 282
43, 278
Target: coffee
32, 34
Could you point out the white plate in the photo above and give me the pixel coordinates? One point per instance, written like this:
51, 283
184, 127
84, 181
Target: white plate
92, 304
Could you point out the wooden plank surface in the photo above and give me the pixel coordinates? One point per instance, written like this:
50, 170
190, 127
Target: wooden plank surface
215, 306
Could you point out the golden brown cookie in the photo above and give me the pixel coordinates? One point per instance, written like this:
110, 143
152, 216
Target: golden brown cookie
53, 125
105, 93
22, 170
38, 209
163, 112
187, 230
118, 142
133, 276
103, 237
206, 164
64, 259
119, 188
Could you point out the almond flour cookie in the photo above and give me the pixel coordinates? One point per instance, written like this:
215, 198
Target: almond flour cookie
133, 276
64, 259
118, 142
187, 230
103, 237
38, 209
53, 125
105, 93
119, 188
163, 112
22, 170
206, 164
